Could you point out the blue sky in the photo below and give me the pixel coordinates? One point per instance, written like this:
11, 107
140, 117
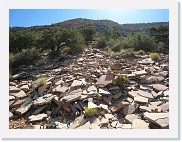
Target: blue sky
33, 17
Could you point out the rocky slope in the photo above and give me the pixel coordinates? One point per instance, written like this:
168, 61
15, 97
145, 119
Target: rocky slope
87, 81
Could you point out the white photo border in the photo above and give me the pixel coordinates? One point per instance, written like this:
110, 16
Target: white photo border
171, 133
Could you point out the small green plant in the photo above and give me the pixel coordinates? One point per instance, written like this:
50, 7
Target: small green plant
120, 81
91, 111
128, 53
140, 52
154, 56
40, 81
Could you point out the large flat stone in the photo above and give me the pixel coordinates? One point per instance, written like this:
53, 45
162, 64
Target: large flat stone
76, 83
14, 89
105, 80
145, 94
104, 91
140, 99
44, 99
131, 117
20, 94
160, 119
60, 89
140, 124
159, 87
24, 109
37, 117
71, 98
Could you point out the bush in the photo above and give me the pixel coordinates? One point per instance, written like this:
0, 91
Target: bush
91, 111
154, 56
128, 53
26, 57
140, 52
120, 81
40, 81
101, 44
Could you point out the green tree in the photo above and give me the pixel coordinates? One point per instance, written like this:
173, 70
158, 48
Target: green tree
19, 40
88, 34
56, 39
161, 34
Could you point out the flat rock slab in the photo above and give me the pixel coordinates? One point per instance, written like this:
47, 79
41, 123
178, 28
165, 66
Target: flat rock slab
24, 109
24, 87
146, 61
79, 121
20, 94
119, 106
38, 117
44, 99
11, 98
76, 83
145, 94
72, 98
160, 119
124, 126
105, 80
133, 94
130, 118
14, 89
60, 89
159, 87
151, 108
140, 99
10, 115
104, 91
140, 124
130, 109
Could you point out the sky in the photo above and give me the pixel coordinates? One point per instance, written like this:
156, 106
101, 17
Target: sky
35, 17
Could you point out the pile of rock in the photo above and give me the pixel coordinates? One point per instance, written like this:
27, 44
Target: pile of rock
87, 81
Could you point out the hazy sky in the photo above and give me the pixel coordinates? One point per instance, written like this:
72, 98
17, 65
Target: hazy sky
32, 17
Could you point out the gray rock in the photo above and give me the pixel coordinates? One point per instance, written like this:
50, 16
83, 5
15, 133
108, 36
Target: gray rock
24, 109
145, 94
38, 117
20, 94
72, 98
76, 83
105, 80
60, 89
131, 117
140, 124
104, 91
11, 98
140, 99
160, 119
44, 99
13, 89
10, 115
159, 87
130, 109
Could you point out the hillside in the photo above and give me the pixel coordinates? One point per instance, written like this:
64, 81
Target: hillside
99, 25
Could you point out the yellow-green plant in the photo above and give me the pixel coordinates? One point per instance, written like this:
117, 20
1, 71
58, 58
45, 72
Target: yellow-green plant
40, 81
91, 111
140, 52
120, 81
154, 56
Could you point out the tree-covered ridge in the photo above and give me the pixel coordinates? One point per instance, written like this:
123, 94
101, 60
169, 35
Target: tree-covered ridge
99, 25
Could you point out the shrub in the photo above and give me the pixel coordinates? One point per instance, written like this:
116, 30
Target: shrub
120, 81
91, 111
26, 57
40, 81
101, 44
140, 52
154, 56
128, 53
